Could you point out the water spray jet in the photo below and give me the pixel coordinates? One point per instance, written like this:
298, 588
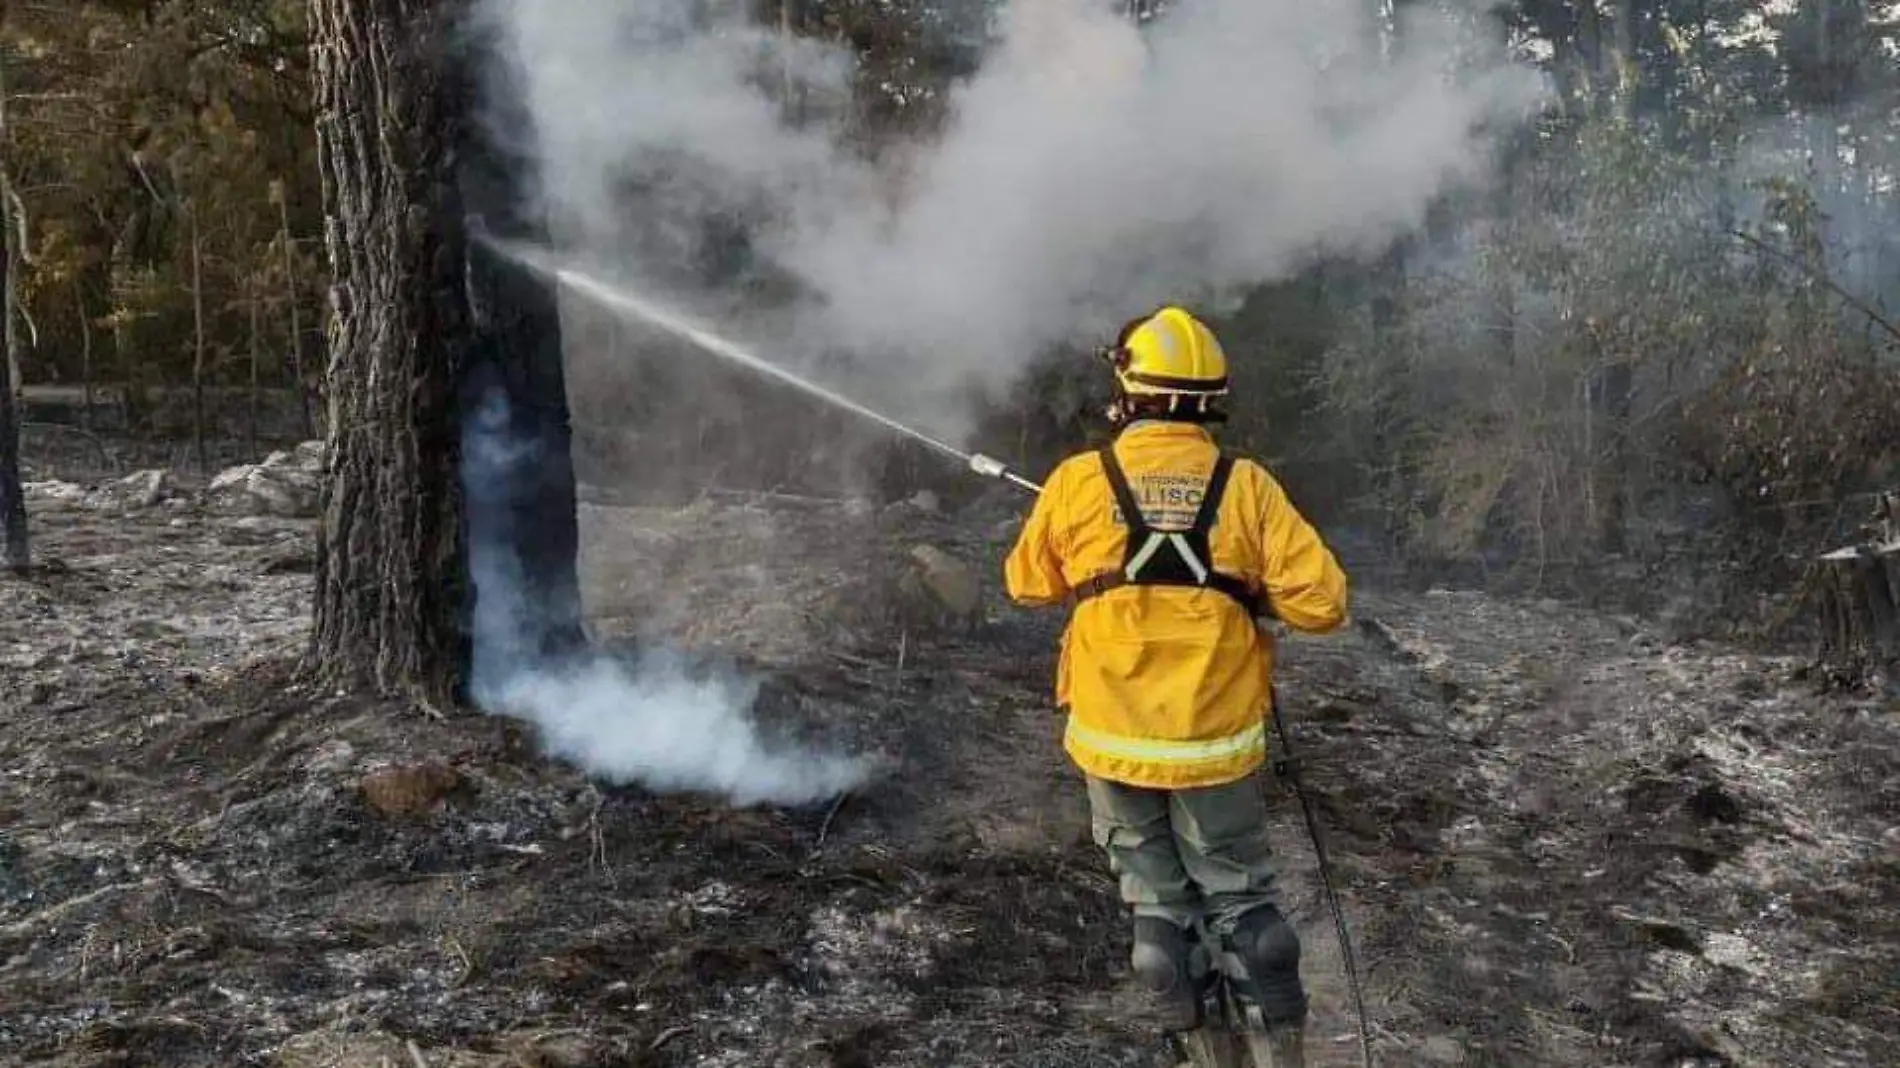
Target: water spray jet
629, 303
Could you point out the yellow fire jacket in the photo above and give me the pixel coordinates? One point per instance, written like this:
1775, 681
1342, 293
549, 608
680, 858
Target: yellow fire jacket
1167, 686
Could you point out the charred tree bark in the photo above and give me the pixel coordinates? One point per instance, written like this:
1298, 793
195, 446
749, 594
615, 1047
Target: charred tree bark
520, 509
1615, 387
85, 355
14, 555
420, 327
1858, 591
198, 354
13, 540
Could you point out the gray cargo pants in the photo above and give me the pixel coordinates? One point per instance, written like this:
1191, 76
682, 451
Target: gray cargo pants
1190, 855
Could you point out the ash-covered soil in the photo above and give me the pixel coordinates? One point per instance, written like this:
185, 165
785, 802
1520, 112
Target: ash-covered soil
1560, 840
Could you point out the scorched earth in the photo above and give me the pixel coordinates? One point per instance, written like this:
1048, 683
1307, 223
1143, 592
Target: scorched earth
1561, 838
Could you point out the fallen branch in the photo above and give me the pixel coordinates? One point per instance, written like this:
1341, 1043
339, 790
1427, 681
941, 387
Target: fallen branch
52, 914
667, 1036
824, 829
415, 1054
468, 965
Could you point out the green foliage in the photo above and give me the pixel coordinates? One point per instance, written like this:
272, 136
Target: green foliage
1650, 314
141, 132
1674, 296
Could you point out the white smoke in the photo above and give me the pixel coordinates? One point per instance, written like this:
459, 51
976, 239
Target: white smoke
649, 722
653, 724
1089, 169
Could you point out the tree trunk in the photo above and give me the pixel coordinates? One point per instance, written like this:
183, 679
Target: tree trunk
15, 229
198, 345
294, 294
13, 541
1616, 381
518, 472
119, 273
1859, 596
85, 355
1628, 73
424, 324
256, 358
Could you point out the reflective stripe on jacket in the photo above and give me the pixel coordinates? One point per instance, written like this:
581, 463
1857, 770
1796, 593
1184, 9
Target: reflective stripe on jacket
1167, 686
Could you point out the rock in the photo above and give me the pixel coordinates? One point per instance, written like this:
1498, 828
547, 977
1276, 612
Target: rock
408, 789
569, 1049
141, 489
950, 581
274, 487
1733, 951
54, 493
335, 1046
1441, 1049
332, 757
925, 501
310, 456
295, 561
1660, 931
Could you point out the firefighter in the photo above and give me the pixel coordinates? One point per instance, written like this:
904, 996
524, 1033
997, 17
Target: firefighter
1170, 549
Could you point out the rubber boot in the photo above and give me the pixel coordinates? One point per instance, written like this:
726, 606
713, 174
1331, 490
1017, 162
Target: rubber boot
1215, 1043
1164, 963
1210, 1046
1283, 1046
1261, 962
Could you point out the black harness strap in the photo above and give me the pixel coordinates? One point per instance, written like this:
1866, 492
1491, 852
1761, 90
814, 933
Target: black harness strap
1189, 560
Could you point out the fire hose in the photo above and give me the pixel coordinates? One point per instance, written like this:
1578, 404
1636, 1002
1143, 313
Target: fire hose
987, 466
1288, 768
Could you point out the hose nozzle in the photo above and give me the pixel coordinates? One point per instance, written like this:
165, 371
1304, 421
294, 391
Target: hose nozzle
991, 467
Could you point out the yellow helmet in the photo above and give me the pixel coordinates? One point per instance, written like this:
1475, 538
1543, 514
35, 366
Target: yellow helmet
1169, 353
1168, 365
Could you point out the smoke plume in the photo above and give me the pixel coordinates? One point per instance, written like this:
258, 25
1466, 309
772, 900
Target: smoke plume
1088, 169
651, 722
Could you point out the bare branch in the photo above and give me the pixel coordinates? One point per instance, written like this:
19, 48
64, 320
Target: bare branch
1857, 303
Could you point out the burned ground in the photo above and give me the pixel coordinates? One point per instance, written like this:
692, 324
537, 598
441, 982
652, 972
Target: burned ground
1560, 839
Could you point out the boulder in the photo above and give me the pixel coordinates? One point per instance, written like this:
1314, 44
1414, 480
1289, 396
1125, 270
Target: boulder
136, 491
275, 487
141, 489
309, 456
55, 492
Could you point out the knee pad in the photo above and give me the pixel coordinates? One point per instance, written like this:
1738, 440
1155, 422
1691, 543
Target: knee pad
1164, 956
1173, 969
1263, 961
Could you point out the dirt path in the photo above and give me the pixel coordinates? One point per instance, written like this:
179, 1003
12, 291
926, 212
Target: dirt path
1560, 842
